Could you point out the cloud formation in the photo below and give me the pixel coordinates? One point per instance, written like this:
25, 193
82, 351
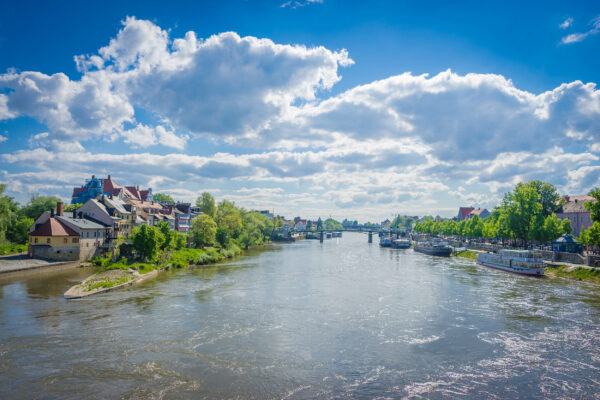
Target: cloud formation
580, 36
407, 143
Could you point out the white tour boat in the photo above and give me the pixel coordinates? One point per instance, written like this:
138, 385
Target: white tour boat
523, 262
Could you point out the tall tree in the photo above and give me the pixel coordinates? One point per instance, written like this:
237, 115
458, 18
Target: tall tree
203, 230
550, 200
168, 234
521, 207
594, 206
37, 205
207, 204
147, 241
8, 213
229, 217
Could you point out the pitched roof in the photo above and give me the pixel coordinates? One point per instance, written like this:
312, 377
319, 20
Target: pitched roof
576, 204
478, 211
117, 204
464, 211
53, 227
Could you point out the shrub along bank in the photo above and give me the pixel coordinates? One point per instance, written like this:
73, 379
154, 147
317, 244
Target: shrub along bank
578, 273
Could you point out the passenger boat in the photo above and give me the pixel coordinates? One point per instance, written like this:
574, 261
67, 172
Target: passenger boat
524, 262
401, 244
434, 248
385, 242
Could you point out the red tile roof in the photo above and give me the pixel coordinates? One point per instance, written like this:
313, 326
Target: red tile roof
53, 227
464, 211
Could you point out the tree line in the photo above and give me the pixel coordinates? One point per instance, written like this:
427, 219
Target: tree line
526, 214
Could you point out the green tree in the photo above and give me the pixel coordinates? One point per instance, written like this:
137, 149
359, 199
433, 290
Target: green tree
550, 200
229, 217
8, 213
552, 228
566, 226
521, 207
19, 233
167, 233
147, 241
222, 236
73, 207
37, 205
594, 206
179, 241
331, 224
162, 197
207, 204
319, 224
594, 234
203, 230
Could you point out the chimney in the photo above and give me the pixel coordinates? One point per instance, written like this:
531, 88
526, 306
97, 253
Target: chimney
74, 213
80, 215
52, 213
108, 177
59, 208
93, 176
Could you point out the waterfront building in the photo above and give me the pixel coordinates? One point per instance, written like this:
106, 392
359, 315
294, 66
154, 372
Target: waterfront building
51, 236
53, 240
111, 211
575, 211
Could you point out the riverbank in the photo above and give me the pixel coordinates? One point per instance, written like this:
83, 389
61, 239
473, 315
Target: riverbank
123, 273
470, 254
574, 272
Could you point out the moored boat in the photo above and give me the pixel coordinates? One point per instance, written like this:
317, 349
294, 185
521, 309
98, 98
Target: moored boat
401, 244
524, 262
385, 242
440, 249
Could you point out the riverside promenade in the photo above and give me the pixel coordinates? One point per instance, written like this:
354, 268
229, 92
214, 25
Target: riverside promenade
21, 262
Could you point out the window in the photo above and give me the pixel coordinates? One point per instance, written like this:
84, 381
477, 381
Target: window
95, 233
48, 240
75, 240
35, 240
66, 240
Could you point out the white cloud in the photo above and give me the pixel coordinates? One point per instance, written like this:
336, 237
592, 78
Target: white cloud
578, 37
300, 3
566, 23
3, 138
142, 136
226, 85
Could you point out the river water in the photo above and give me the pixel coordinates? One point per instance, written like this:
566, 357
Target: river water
337, 320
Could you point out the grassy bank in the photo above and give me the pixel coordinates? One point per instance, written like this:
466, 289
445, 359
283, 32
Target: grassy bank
578, 273
470, 254
173, 259
12, 249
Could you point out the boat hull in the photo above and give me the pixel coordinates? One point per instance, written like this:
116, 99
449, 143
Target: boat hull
440, 251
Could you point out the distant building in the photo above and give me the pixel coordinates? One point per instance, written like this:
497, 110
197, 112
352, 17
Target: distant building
466, 213
95, 187
463, 213
386, 223
266, 213
575, 211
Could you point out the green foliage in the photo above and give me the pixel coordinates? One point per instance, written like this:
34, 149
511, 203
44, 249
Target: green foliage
73, 207
222, 236
579, 273
203, 230
549, 198
108, 283
331, 224
552, 228
162, 197
230, 218
147, 241
207, 204
594, 207
470, 254
319, 224
8, 214
179, 240
593, 234
19, 232
401, 222
12, 249
566, 226
37, 205
167, 233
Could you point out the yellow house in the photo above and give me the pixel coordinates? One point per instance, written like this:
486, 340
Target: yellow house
54, 240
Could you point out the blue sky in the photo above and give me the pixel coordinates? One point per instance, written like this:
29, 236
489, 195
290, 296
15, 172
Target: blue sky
331, 115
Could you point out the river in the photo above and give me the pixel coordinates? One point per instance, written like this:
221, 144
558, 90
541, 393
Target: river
334, 320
